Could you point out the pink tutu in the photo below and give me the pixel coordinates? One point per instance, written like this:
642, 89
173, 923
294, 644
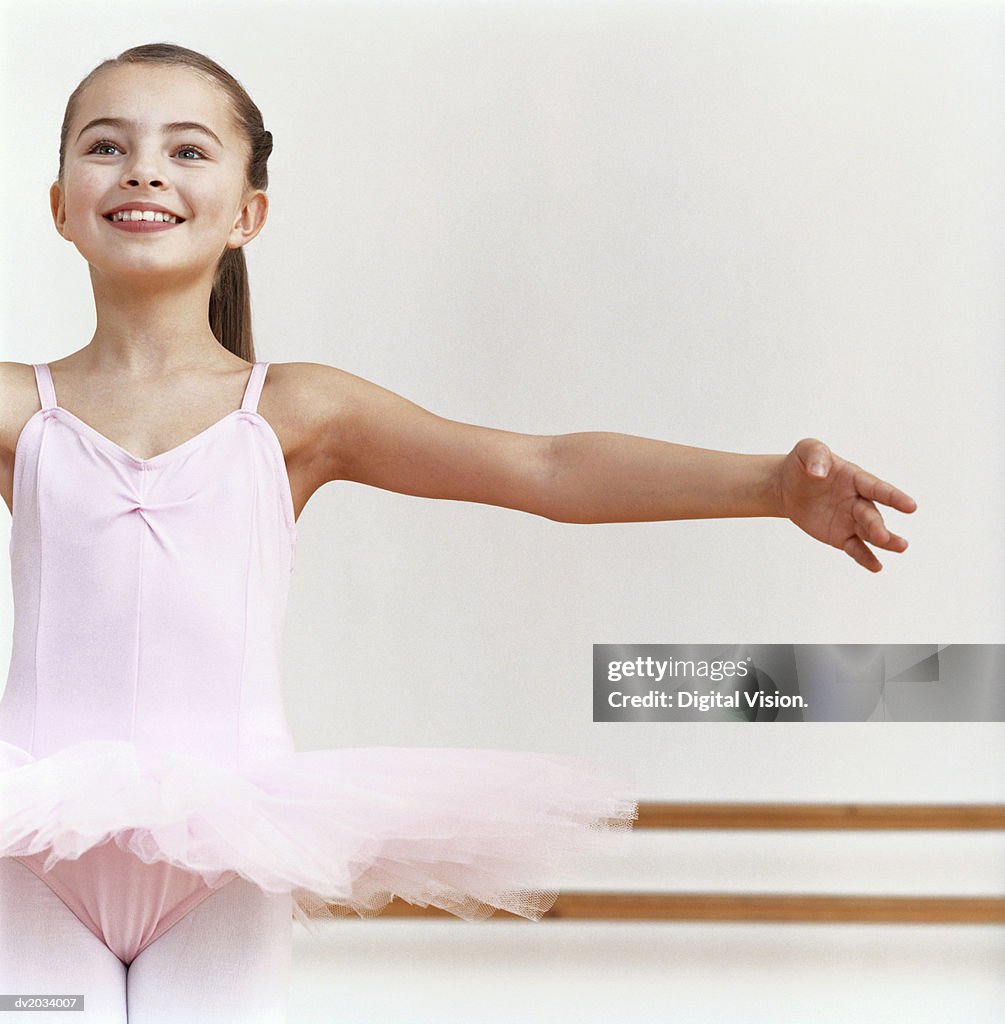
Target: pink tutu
466, 830
144, 699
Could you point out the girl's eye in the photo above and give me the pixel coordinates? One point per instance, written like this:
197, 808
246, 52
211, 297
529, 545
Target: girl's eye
181, 149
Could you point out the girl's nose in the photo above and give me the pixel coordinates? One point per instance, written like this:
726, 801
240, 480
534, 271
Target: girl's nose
143, 168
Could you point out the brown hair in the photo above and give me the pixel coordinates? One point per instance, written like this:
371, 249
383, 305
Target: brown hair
230, 299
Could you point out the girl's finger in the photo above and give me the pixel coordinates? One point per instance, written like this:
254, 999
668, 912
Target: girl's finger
870, 527
816, 458
870, 523
872, 487
855, 547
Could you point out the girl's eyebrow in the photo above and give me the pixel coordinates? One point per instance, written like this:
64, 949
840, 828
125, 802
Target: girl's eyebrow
174, 126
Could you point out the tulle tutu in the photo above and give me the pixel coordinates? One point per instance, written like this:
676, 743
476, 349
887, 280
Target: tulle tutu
123, 571
467, 830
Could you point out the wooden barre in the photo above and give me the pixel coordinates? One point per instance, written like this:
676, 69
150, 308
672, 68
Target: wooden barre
773, 907
811, 908
820, 816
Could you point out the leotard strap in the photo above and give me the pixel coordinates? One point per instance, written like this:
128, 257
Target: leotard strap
254, 388
43, 380
47, 392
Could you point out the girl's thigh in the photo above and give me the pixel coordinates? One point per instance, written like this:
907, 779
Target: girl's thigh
46, 951
228, 961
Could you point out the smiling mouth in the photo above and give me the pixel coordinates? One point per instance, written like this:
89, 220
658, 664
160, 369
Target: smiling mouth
143, 216
141, 225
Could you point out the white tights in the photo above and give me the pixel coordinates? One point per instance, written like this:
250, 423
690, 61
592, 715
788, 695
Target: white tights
227, 961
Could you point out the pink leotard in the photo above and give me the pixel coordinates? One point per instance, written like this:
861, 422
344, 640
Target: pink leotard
145, 756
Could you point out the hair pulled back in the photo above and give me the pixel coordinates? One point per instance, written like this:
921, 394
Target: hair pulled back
230, 299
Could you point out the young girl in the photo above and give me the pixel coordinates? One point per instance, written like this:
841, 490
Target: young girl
157, 825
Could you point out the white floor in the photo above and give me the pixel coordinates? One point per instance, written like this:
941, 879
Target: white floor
451, 972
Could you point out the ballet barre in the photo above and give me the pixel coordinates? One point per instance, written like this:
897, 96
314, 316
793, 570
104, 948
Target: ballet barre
771, 907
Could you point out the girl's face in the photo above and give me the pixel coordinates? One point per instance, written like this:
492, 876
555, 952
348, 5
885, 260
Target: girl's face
196, 173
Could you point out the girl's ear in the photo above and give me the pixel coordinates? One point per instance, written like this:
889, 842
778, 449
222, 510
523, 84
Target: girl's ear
250, 220
58, 208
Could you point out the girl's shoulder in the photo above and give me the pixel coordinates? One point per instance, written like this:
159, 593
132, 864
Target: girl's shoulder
315, 410
309, 395
305, 377
19, 401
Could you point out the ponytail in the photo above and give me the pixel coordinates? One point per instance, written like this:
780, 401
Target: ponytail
230, 305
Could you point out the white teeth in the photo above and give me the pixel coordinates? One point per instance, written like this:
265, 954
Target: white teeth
144, 215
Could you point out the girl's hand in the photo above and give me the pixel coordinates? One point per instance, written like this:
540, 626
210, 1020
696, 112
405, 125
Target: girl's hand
836, 503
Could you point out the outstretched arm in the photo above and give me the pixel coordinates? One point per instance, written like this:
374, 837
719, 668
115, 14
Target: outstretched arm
365, 433
599, 477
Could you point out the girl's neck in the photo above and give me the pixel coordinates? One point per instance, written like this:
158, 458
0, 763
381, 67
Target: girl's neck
153, 331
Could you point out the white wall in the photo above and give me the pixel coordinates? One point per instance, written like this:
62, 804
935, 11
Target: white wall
724, 224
